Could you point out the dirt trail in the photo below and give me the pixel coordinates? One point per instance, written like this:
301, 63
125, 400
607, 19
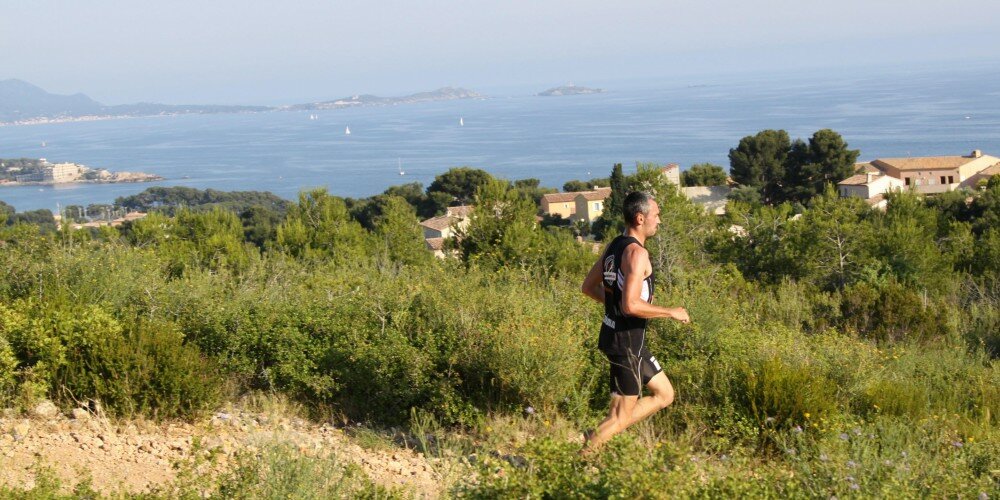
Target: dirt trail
136, 456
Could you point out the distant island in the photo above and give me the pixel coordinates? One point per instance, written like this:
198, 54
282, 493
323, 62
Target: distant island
569, 90
22, 103
356, 101
30, 171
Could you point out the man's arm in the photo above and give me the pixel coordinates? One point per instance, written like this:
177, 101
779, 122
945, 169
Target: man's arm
593, 284
636, 266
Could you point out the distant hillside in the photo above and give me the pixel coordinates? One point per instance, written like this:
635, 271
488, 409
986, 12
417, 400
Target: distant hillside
569, 90
441, 94
21, 101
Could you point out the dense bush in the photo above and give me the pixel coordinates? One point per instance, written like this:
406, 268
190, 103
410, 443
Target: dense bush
145, 370
76, 353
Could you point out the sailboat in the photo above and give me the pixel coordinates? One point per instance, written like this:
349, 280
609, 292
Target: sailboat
43, 144
461, 122
313, 117
400, 166
347, 130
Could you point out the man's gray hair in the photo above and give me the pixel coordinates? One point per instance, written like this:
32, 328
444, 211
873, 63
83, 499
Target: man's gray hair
637, 202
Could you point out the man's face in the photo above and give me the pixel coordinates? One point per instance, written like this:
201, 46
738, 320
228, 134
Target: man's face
651, 220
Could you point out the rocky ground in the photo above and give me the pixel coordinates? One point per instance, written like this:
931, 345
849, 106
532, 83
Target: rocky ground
136, 456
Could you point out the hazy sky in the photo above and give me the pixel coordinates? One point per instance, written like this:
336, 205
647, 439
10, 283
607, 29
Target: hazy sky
239, 51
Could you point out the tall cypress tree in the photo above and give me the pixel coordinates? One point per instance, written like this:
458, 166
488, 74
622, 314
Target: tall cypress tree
610, 223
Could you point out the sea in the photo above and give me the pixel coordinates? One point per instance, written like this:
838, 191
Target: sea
517, 135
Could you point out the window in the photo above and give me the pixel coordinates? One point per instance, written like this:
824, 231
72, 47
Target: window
907, 180
597, 206
951, 179
943, 180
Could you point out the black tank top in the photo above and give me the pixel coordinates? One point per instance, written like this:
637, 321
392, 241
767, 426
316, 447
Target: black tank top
621, 334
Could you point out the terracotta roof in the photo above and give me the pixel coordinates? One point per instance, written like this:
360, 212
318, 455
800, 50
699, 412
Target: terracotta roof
989, 171
459, 211
855, 180
866, 167
599, 194
875, 200
559, 197
439, 223
925, 162
435, 243
670, 166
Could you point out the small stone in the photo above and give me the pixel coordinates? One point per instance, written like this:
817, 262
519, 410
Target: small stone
20, 430
80, 414
45, 409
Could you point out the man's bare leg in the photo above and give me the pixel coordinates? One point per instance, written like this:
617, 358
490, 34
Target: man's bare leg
661, 396
627, 410
618, 416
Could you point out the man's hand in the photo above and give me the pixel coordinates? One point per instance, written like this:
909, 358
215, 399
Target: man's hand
680, 314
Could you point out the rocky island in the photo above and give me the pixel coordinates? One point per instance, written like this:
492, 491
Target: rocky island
356, 101
569, 90
30, 171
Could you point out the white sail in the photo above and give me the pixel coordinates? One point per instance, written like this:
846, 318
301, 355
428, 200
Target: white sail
347, 130
400, 161
461, 122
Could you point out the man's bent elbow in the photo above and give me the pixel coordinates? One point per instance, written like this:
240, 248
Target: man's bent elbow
629, 309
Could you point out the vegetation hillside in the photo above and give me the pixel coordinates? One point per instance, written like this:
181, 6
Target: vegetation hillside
833, 351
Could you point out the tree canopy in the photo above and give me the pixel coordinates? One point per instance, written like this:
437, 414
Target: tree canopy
460, 183
782, 170
703, 174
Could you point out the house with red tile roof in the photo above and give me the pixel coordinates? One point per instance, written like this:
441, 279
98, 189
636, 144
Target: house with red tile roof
440, 228
937, 174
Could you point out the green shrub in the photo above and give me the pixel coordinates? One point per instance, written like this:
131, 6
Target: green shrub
895, 312
895, 396
8, 365
43, 337
281, 472
982, 328
780, 393
145, 370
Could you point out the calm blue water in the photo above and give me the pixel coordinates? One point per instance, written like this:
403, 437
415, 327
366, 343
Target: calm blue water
554, 139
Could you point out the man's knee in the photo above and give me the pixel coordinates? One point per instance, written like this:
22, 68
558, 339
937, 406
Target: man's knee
665, 397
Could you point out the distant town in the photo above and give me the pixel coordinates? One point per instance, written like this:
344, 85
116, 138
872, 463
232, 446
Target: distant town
872, 181
30, 171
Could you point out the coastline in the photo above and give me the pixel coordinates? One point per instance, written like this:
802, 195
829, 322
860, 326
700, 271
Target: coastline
98, 118
136, 180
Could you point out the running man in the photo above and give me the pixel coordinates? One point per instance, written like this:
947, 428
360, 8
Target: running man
622, 279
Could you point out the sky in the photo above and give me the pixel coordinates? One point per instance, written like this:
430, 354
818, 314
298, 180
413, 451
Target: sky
240, 52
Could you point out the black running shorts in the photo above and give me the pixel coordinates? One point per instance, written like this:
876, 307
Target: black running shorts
630, 372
